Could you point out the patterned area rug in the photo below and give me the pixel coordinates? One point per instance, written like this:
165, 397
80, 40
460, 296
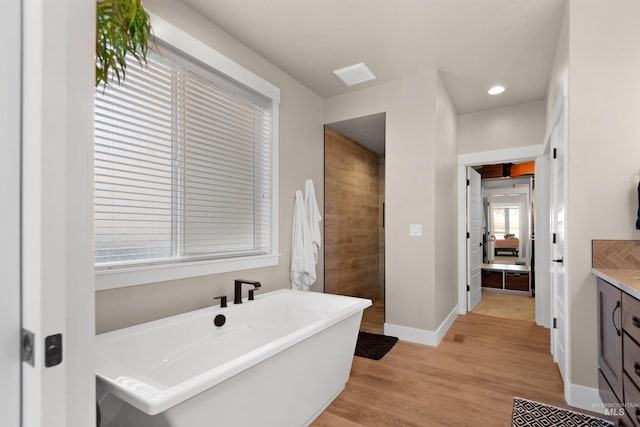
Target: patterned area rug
533, 414
374, 346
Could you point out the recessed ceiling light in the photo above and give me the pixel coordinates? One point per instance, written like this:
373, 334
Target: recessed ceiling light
496, 90
354, 74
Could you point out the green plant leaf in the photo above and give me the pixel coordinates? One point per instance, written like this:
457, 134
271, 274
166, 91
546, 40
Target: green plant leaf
123, 28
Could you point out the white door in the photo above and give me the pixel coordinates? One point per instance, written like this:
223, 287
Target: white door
558, 247
10, 31
491, 239
57, 272
474, 240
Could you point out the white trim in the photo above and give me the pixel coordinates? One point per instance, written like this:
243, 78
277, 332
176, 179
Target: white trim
422, 336
275, 183
584, 398
462, 239
203, 52
143, 274
10, 108
527, 152
58, 291
139, 275
542, 232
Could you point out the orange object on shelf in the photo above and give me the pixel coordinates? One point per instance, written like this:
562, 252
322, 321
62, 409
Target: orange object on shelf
526, 168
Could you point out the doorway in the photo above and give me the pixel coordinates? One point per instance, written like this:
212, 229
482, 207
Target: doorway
477, 160
507, 280
354, 213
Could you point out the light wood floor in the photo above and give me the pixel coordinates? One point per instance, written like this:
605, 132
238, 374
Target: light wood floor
469, 380
507, 306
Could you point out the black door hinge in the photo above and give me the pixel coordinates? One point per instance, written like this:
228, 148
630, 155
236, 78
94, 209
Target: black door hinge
468, 182
554, 238
468, 288
468, 235
555, 323
28, 343
555, 153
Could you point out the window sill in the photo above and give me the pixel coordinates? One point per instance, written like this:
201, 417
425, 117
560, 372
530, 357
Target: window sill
131, 276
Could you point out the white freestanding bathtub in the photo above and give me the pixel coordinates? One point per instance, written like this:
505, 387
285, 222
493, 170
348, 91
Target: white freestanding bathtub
277, 361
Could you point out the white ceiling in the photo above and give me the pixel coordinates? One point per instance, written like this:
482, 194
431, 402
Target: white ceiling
474, 43
368, 131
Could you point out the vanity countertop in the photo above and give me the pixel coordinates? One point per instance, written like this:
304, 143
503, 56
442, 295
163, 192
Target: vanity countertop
626, 280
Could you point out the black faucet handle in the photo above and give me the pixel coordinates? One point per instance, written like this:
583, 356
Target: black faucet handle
251, 293
223, 300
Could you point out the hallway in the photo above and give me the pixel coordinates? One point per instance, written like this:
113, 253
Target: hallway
469, 380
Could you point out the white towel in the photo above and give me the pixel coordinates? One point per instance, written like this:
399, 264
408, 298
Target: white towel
303, 267
314, 218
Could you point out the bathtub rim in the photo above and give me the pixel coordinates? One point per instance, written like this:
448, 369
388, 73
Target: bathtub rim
164, 399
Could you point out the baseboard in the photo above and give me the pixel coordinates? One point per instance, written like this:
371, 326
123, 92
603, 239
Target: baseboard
586, 398
422, 336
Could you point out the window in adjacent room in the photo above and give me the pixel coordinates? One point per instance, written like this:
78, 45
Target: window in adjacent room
506, 220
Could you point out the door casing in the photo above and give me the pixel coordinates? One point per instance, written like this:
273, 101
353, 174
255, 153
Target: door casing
10, 148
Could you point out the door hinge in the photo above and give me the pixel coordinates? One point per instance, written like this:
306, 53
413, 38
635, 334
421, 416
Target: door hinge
468, 182
27, 347
554, 238
555, 323
555, 153
468, 288
468, 235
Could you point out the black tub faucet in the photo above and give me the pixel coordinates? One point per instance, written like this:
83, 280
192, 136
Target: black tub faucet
237, 296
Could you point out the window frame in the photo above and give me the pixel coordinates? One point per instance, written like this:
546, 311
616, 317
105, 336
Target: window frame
110, 278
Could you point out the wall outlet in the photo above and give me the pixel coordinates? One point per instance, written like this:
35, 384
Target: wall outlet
415, 230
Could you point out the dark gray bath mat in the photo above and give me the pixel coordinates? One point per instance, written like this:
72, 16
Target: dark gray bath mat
374, 346
527, 413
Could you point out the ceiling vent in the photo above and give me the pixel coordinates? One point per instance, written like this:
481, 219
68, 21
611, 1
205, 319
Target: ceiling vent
354, 74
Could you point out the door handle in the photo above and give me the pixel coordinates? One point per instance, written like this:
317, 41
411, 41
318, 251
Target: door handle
613, 318
636, 368
481, 244
559, 261
635, 321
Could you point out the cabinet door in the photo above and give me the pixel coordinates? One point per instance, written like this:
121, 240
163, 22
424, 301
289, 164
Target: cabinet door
610, 335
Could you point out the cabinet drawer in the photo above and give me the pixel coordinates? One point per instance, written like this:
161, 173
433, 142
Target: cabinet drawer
631, 399
631, 316
492, 279
631, 358
517, 281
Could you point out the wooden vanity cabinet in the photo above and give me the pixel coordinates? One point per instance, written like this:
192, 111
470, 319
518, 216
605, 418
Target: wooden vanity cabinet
610, 337
619, 353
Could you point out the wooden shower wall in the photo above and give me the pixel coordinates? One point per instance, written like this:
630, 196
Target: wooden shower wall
352, 218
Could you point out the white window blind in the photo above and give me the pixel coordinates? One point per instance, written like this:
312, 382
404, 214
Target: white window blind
182, 166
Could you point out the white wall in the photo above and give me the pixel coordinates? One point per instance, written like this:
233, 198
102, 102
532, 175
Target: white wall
604, 154
301, 157
411, 189
446, 203
560, 67
507, 127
